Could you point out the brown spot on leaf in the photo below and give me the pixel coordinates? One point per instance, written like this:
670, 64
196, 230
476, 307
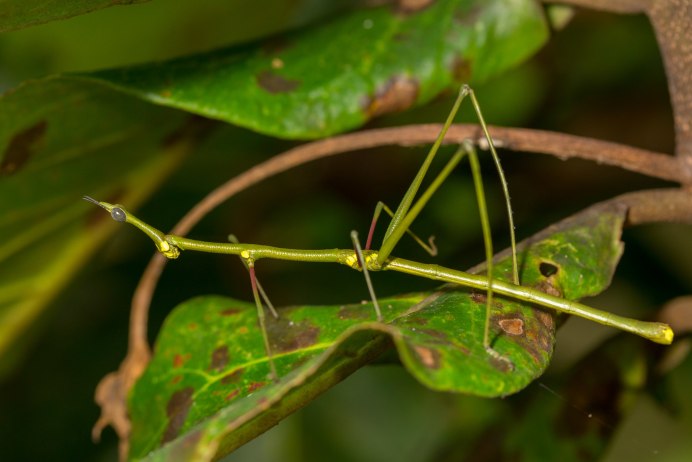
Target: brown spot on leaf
461, 69
22, 147
192, 326
176, 379
177, 408
232, 395
412, 6
482, 298
436, 334
354, 312
512, 326
243, 330
501, 363
479, 298
429, 357
275, 83
417, 320
398, 94
230, 311
254, 386
219, 359
548, 286
286, 335
233, 377
545, 318
179, 360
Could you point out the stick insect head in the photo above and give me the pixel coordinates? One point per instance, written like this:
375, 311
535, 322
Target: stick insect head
118, 213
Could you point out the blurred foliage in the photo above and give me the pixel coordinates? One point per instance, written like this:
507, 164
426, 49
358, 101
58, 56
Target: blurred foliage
601, 76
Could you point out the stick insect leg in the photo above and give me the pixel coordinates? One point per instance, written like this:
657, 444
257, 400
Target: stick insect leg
429, 247
265, 298
366, 273
488, 243
260, 316
503, 181
395, 230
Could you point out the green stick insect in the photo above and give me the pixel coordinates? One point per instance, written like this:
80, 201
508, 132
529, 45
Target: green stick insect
367, 260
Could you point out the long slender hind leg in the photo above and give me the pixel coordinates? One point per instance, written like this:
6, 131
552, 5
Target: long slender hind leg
364, 266
488, 243
262, 322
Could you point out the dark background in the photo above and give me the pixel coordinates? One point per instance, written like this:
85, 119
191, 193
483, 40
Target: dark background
601, 77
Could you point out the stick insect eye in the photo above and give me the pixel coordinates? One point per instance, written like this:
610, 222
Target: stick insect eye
118, 214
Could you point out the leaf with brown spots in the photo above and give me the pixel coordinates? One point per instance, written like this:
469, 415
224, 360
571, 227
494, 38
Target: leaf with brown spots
340, 74
438, 336
61, 138
106, 133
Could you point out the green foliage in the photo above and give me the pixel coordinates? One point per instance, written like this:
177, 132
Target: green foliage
16, 14
207, 388
75, 124
61, 139
295, 87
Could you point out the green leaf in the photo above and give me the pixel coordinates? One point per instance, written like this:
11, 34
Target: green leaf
207, 391
17, 14
65, 136
61, 139
337, 76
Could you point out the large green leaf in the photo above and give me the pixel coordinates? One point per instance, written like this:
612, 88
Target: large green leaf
337, 76
207, 391
16, 14
65, 136
60, 141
